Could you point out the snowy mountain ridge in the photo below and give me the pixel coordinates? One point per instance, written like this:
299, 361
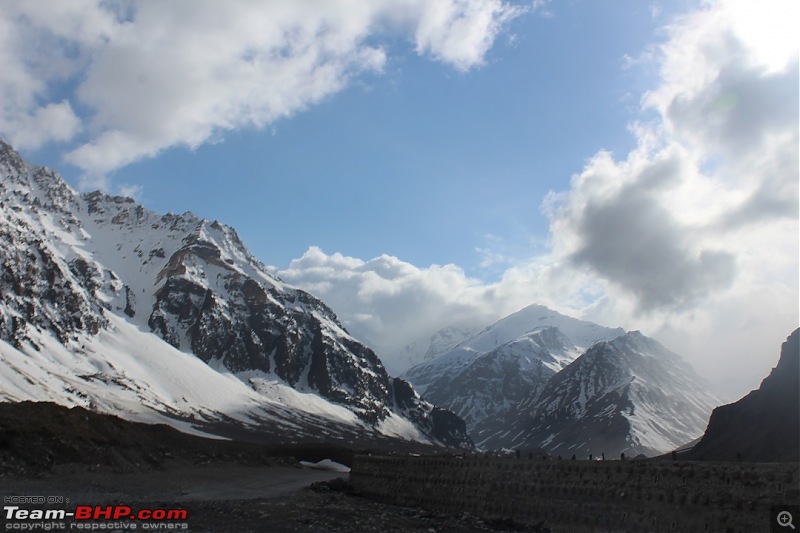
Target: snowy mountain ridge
87, 280
505, 362
539, 379
581, 334
628, 395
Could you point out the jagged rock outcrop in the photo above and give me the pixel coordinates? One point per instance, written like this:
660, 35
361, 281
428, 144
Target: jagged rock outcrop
442, 424
78, 267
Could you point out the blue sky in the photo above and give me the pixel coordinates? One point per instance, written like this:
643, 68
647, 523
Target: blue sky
421, 161
418, 163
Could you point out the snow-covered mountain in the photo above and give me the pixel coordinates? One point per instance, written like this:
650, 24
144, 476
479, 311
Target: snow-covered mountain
505, 363
106, 304
539, 379
629, 395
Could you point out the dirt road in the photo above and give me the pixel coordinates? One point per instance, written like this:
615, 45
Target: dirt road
216, 482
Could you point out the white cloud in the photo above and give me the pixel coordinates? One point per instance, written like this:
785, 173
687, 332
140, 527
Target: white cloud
461, 33
386, 301
389, 303
131, 191
692, 237
43, 44
627, 223
52, 122
153, 75
716, 179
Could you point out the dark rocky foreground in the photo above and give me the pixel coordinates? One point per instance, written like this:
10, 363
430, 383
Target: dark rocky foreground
229, 498
587, 496
225, 486
330, 506
40, 437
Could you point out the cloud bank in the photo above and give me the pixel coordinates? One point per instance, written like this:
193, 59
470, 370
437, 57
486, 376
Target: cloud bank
691, 237
121, 81
388, 302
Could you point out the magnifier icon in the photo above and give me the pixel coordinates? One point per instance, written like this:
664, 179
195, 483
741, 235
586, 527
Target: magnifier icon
785, 519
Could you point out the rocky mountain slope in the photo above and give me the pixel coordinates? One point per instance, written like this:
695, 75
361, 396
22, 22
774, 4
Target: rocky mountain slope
764, 425
539, 379
628, 395
505, 363
108, 305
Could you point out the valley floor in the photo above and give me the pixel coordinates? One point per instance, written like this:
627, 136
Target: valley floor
228, 498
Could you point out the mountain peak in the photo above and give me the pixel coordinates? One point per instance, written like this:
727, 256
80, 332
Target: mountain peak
10, 160
628, 394
785, 373
635, 341
506, 363
107, 303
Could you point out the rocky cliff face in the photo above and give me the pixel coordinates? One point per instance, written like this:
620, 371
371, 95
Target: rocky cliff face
72, 265
232, 320
443, 424
762, 426
40, 288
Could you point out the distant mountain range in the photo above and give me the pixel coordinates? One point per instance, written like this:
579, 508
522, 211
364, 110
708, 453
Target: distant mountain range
505, 362
169, 318
539, 379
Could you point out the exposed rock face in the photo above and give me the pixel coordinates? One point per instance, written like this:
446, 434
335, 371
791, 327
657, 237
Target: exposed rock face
762, 426
442, 424
504, 376
245, 325
40, 288
70, 263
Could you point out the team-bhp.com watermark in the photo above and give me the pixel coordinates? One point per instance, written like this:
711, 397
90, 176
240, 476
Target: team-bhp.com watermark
39, 513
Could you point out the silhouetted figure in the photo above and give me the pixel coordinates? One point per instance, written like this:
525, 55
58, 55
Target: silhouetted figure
603, 456
622, 456
674, 455
590, 457
573, 457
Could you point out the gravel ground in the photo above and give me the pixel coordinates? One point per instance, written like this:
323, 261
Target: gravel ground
86, 458
326, 506
231, 498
